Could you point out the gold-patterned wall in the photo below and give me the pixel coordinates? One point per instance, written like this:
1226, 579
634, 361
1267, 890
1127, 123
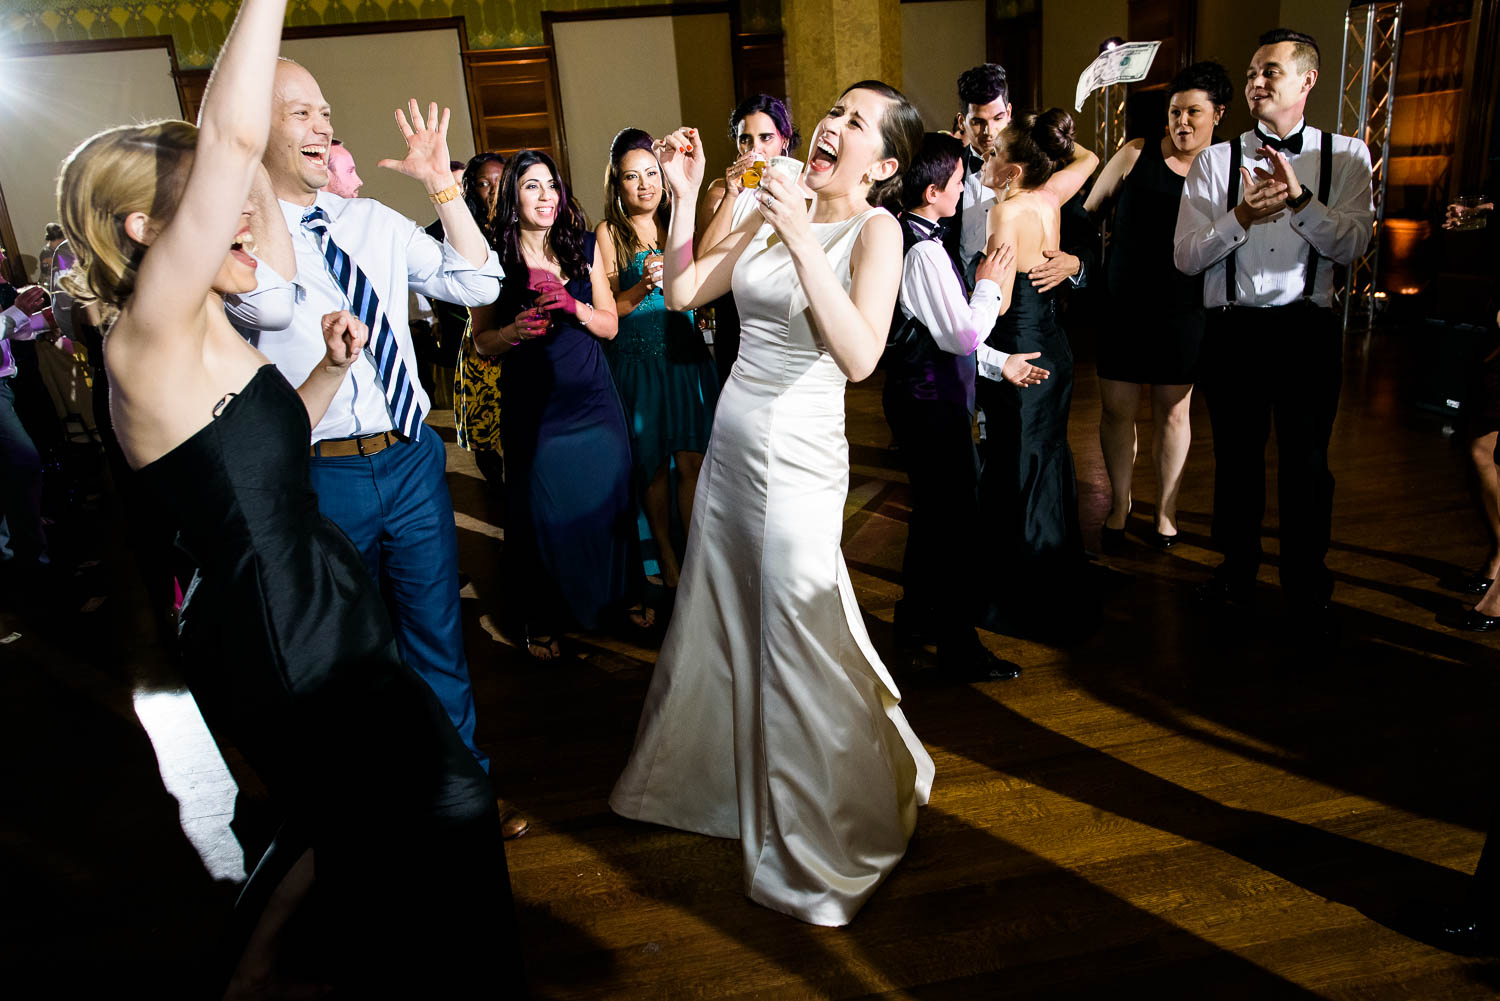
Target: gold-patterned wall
198, 27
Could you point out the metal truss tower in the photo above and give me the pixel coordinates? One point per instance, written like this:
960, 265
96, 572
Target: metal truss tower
1367, 92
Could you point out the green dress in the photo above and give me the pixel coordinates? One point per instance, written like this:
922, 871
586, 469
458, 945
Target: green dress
665, 376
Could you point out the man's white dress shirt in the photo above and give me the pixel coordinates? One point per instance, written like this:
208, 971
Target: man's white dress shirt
978, 200
395, 254
1271, 257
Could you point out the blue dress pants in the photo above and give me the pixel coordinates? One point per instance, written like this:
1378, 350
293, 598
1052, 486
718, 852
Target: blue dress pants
395, 508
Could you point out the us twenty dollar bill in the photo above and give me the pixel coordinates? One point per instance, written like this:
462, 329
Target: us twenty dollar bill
1127, 63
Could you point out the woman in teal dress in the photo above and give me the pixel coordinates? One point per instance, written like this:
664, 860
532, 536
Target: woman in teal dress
661, 366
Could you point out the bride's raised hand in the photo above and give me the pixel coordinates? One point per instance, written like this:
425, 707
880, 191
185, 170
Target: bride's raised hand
682, 161
784, 206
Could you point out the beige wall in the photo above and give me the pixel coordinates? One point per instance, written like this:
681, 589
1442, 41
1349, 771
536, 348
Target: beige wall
355, 73
1071, 33
86, 92
1324, 20
624, 72
1229, 29
706, 86
938, 42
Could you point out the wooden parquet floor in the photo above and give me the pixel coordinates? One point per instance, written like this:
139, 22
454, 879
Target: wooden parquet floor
1177, 805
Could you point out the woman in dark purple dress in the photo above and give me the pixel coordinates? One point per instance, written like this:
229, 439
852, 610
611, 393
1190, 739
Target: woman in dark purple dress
570, 520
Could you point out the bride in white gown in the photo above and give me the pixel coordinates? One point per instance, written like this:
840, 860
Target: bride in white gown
770, 717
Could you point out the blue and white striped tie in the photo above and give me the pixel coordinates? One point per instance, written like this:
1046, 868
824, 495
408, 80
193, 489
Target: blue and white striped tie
400, 395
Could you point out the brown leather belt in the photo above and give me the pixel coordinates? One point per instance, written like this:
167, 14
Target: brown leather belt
338, 448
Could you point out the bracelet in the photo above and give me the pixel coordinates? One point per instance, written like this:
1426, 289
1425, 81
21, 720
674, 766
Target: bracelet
446, 195
591, 313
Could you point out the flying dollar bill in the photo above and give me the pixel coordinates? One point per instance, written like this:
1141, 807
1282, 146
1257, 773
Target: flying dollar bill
1127, 63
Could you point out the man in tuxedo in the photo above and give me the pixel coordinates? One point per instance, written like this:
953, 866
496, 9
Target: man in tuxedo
1265, 217
984, 107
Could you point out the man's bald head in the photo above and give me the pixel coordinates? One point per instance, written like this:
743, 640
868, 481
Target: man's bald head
301, 132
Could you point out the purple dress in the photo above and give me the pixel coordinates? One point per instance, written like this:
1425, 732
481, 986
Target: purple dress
570, 518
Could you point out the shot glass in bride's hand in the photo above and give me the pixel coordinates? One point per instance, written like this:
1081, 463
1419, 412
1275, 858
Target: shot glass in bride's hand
751, 175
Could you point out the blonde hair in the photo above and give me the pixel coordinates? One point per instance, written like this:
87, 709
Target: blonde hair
130, 168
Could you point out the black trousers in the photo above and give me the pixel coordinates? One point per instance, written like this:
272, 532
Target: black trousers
1281, 365
937, 572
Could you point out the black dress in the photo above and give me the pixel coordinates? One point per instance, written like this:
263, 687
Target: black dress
1154, 323
289, 653
1028, 494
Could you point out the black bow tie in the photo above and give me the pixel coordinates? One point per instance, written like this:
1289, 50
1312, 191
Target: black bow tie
1291, 144
976, 163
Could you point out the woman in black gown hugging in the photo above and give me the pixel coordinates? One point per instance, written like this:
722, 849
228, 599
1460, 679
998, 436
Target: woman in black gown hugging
1155, 311
285, 641
1028, 494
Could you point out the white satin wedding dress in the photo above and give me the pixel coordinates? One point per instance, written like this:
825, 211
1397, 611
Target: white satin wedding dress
770, 717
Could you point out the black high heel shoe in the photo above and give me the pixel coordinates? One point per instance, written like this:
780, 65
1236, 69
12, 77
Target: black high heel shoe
1161, 541
1111, 540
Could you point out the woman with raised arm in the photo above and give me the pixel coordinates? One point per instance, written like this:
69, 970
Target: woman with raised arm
1155, 311
770, 717
285, 640
1028, 494
760, 127
661, 366
570, 552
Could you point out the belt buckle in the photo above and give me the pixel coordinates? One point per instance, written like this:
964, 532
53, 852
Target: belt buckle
359, 444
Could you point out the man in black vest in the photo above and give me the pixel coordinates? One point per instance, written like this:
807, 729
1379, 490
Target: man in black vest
1266, 240
936, 334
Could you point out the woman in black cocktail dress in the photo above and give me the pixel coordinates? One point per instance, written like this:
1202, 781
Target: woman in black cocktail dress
285, 641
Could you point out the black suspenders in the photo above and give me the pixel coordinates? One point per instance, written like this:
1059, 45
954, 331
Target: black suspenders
1231, 291
1325, 178
1325, 183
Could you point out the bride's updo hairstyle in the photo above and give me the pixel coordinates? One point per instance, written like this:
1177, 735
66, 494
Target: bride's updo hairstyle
131, 168
901, 132
1040, 144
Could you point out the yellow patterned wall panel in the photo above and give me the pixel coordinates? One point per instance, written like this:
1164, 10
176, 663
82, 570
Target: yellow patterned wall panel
198, 27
